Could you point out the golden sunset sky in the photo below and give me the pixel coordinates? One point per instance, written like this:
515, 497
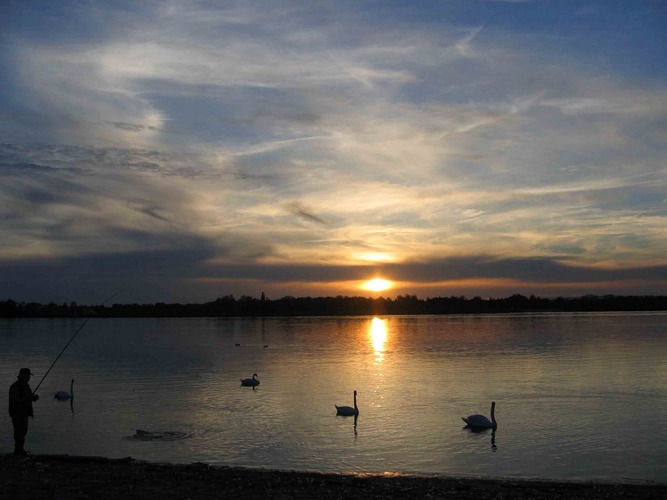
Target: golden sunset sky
185, 150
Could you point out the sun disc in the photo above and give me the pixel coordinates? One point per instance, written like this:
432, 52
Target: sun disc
376, 285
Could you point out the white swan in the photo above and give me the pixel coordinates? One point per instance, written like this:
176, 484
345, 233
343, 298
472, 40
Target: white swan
479, 422
250, 382
63, 395
348, 411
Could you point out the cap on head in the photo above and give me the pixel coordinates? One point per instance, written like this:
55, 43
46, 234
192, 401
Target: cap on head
25, 371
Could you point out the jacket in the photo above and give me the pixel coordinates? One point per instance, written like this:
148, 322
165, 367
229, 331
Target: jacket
20, 400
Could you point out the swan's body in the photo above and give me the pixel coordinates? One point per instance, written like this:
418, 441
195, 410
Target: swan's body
478, 422
348, 411
64, 395
250, 382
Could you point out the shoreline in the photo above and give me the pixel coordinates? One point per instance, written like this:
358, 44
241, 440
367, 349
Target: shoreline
71, 476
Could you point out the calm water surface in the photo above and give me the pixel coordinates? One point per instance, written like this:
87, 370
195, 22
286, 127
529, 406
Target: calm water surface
579, 396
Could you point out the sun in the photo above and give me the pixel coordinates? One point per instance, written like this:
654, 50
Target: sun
377, 285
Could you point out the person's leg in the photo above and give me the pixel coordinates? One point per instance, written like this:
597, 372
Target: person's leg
20, 431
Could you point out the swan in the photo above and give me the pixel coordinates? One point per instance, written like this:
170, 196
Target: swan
63, 395
478, 422
250, 382
348, 411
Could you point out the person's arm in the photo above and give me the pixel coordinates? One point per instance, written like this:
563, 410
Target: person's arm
31, 396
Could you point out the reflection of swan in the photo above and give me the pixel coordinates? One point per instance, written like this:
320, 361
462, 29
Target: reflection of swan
348, 411
250, 382
63, 395
478, 422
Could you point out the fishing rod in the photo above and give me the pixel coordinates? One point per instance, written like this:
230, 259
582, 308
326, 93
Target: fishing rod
70, 341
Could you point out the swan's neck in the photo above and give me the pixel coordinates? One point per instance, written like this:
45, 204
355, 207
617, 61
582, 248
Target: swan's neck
355, 401
493, 415
71, 388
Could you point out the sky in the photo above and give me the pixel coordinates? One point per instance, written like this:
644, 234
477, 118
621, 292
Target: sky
185, 150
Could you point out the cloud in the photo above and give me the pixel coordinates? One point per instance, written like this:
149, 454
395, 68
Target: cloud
87, 278
297, 208
464, 45
534, 269
32, 169
143, 274
169, 123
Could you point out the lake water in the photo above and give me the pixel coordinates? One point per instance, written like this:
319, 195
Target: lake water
578, 396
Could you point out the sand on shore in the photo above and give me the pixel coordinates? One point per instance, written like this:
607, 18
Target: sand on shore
69, 477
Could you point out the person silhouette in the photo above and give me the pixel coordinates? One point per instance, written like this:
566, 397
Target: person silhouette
20, 408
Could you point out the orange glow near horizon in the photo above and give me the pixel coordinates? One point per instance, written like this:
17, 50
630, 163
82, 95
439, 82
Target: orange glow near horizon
483, 287
377, 285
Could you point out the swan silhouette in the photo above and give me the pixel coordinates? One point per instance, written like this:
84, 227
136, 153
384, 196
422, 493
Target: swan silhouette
64, 395
250, 382
480, 422
348, 411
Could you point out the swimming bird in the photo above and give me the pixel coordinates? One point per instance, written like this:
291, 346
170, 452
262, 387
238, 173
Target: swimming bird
348, 411
64, 395
250, 382
478, 422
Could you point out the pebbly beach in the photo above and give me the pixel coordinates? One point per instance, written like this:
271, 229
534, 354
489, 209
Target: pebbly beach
76, 477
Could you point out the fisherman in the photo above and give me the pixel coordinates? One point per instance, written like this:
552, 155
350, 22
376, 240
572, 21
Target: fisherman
20, 408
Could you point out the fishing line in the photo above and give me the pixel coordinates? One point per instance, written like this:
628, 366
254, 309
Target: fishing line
70, 341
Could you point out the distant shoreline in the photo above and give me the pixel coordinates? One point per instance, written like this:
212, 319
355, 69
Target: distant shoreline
229, 306
64, 476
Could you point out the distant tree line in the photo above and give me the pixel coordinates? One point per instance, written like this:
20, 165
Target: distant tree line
228, 305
